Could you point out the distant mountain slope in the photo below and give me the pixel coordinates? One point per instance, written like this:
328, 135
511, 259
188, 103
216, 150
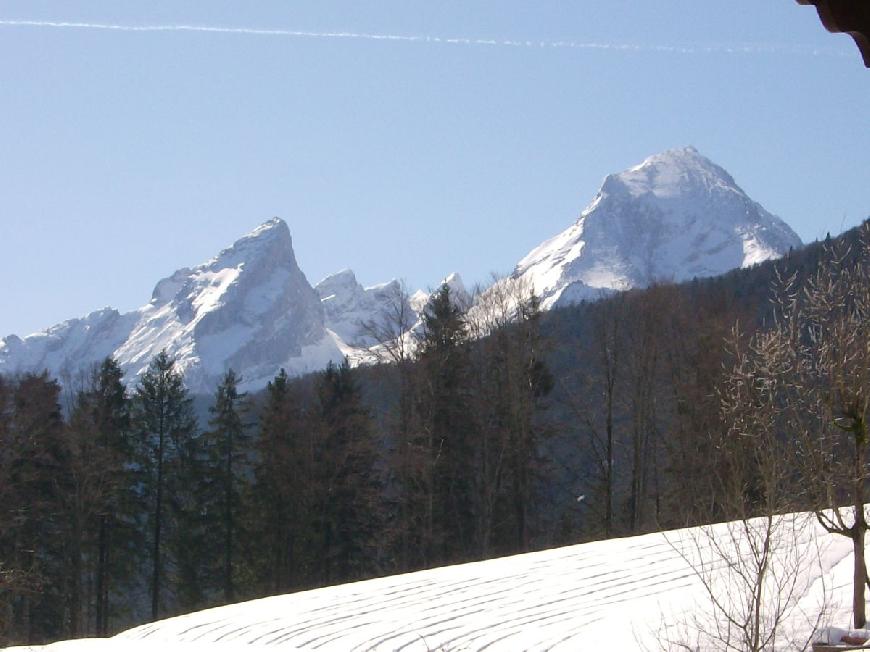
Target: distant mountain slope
675, 216
250, 308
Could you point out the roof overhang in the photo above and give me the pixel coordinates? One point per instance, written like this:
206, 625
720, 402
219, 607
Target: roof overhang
851, 17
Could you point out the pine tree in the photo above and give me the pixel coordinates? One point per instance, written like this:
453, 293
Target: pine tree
99, 504
348, 489
226, 444
280, 496
116, 519
34, 528
166, 426
451, 441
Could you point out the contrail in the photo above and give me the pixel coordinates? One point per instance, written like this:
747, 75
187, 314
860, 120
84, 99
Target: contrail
445, 40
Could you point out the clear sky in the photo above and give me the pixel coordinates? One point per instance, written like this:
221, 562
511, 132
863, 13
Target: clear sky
127, 154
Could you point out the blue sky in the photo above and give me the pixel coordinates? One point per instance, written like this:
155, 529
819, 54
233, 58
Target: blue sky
125, 155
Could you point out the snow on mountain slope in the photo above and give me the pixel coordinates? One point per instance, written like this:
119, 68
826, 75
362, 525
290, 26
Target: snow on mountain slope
675, 216
361, 318
63, 348
350, 309
621, 594
250, 308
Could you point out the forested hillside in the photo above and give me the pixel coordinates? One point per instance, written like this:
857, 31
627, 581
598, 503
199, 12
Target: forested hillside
502, 429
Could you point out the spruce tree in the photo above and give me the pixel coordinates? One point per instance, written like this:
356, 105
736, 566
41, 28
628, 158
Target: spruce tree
448, 423
348, 490
226, 443
99, 444
280, 495
116, 518
166, 427
34, 526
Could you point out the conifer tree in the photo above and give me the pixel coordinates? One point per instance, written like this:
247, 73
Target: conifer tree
531, 384
348, 488
166, 427
226, 444
115, 542
449, 429
100, 503
34, 527
280, 495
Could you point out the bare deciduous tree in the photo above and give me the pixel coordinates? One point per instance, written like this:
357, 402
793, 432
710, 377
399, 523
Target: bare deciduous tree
756, 567
827, 325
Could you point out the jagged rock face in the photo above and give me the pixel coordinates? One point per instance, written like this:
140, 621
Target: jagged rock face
675, 216
362, 319
69, 348
351, 310
250, 309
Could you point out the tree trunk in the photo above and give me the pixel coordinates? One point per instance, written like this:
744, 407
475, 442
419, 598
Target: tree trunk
101, 578
229, 592
859, 578
158, 510
608, 509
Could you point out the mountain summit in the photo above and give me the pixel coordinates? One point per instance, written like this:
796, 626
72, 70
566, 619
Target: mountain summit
675, 216
249, 308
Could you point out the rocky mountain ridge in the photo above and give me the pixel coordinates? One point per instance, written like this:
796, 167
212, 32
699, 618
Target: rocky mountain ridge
250, 308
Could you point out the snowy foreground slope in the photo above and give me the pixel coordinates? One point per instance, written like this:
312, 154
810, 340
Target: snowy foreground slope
675, 216
623, 594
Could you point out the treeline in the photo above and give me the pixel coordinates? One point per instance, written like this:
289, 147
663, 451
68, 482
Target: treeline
119, 508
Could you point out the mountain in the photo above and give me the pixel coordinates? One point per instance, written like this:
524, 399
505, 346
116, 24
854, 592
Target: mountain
350, 310
675, 216
250, 308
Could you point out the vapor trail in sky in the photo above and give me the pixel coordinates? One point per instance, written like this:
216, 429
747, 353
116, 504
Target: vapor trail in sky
752, 48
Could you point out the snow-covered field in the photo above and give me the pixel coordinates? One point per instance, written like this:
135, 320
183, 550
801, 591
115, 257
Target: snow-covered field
634, 593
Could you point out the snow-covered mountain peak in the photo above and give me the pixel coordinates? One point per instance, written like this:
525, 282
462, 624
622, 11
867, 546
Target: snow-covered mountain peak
454, 281
458, 292
339, 286
250, 308
682, 172
675, 216
269, 242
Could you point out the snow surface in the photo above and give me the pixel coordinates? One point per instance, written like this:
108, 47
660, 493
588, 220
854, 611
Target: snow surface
675, 216
620, 594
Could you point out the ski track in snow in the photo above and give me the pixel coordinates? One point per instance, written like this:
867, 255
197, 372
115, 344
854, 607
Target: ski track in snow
617, 594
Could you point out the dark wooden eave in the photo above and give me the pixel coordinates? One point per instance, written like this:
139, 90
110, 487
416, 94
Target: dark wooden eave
851, 17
